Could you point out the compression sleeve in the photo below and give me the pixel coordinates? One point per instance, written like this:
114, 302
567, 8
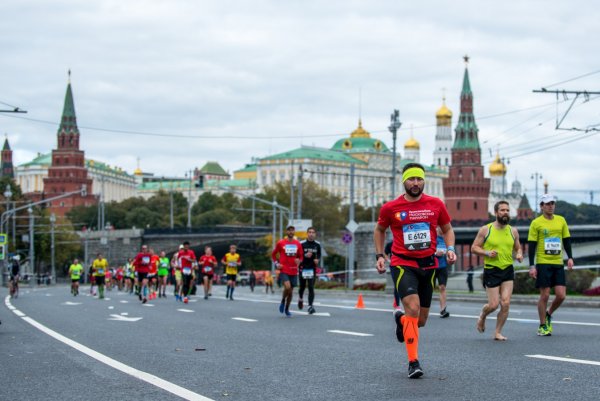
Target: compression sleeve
532, 247
567, 245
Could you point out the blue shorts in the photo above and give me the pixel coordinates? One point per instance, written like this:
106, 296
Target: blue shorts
292, 279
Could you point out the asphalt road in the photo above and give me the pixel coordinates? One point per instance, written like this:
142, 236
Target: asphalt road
82, 348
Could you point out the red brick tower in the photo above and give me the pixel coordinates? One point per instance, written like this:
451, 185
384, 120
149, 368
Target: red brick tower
466, 190
67, 172
6, 166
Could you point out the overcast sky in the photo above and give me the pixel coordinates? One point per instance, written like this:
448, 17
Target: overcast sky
178, 83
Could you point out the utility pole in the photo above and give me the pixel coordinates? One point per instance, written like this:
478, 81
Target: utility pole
537, 176
372, 182
189, 211
395, 125
171, 220
300, 193
274, 240
350, 220
52, 250
292, 191
253, 203
31, 247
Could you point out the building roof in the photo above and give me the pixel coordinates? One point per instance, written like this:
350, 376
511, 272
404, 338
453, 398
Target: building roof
308, 152
360, 141
68, 122
185, 184
213, 168
46, 160
249, 168
497, 168
524, 204
6, 145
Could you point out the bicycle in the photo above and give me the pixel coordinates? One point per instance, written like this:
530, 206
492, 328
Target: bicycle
14, 287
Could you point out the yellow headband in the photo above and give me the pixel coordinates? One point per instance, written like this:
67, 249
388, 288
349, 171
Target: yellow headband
413, 172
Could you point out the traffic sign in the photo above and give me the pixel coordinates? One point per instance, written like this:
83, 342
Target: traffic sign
3, 238
347, 238
2, 252
352, 226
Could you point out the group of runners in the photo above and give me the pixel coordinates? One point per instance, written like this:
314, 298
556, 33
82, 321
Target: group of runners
423, 237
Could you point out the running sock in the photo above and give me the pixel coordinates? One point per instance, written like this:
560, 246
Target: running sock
410, 327
231, 293
228, 289
101, 291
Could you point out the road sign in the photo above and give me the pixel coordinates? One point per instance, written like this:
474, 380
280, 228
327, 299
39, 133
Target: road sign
352, 226
3, 238
2, 252
347, 238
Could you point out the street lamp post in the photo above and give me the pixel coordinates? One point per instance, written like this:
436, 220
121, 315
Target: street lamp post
7, 195
189, 211
52, 260
536, 176
395, 125
31, 247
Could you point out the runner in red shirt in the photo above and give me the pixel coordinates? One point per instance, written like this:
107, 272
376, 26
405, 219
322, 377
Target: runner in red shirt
208, 263
142, 267
152, 273
290, 254
413, 219
187, 261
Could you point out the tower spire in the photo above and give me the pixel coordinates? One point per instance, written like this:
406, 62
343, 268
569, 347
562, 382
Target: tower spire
466, 130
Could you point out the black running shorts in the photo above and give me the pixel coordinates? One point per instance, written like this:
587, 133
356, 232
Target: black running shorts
413, 280
100, 280
441, 276
549, 276
494, 276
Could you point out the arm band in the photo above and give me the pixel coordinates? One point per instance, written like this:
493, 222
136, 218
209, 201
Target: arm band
532, 247
567, 246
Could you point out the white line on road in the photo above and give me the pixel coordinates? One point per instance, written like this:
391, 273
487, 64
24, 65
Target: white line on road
186, 310
19, 313
144, 376
327, 314
71, 303
520, 320
350, 333
121, 318
558, 358
243, 319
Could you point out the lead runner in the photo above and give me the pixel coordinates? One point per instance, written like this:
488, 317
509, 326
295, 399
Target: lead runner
413, 218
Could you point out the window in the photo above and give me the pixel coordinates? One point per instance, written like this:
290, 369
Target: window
458, 205
475, 205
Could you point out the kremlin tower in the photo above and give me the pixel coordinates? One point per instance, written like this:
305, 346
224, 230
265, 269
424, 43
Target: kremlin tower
442, 155
466, 190
6, 167
67, 172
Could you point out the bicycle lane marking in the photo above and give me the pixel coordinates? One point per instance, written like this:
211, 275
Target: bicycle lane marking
138, 374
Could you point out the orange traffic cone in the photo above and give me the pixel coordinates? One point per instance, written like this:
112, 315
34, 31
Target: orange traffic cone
360, 304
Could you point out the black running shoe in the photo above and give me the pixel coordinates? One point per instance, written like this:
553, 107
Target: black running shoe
311, 310
399, 329
300, 304
414, 370
444, 314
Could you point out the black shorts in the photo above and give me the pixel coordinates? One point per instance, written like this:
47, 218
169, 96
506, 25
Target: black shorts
292, 279
100, 280
413, 280
141, 276
441, 276
494, 276
232, 277
74, 280
549, 276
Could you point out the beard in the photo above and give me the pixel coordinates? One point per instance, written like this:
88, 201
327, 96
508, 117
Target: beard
414, 191
503, 219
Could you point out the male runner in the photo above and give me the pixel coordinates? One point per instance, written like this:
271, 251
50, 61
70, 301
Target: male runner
163, 272
413, 219
208, 264
441, 275
548, 235
152, 274
290, 254
75, 270
99, 268
141, 265
308, 267
187, 261
232, 262
497, 242
177, 274
15, 273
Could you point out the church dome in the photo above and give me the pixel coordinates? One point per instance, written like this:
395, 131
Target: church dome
444, 112
137, 171
360, 141
497, 168
412, 143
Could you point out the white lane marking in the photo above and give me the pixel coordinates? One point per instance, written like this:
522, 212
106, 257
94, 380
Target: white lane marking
124, 313
144, 376
514, 319
314, 314
71, 303
19, 313
186, 310
350, 333
124, 302
558, 358
243, 319
121, 318
148, 305
111, 307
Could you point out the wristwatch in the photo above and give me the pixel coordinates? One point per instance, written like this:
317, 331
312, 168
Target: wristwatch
379, 255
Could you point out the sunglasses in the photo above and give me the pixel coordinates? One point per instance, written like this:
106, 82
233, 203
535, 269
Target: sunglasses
550, 203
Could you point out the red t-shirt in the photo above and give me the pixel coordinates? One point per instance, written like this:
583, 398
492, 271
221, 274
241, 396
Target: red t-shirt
186, 260
154, 264
142, 262
208, 263
288, 252
413, 226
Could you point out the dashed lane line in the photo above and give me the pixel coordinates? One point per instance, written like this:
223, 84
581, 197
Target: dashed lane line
561, 359
144, 376
350, 333
243, 319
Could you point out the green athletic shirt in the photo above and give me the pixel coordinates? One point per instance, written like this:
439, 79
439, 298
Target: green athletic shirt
163, 266
501, 241
75, 271
549, 235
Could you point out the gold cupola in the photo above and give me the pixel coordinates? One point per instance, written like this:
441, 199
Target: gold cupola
412, 143
497, 168
444, 114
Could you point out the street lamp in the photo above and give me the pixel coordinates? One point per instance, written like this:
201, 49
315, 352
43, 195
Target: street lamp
7, 195
31, 247
52, 262
395, 125
189, 217
537, 176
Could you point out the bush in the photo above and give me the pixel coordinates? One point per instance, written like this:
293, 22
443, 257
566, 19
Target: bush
328, 285
370, 286
577, 282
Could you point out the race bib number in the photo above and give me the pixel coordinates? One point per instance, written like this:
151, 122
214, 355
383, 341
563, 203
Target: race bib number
146, 260
308, 273
100, 271
290, 249
416, 236
552, 246
207, 269
232, 264
187, 271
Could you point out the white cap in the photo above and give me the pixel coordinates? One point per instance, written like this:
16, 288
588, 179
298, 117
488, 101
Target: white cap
547, 198
180, 246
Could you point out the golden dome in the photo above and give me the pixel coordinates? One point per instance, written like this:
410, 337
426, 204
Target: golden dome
360, 132
444, 112
137, 171
412, 143
497, 168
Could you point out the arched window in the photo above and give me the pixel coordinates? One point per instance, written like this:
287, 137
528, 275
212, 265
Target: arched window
458, 205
